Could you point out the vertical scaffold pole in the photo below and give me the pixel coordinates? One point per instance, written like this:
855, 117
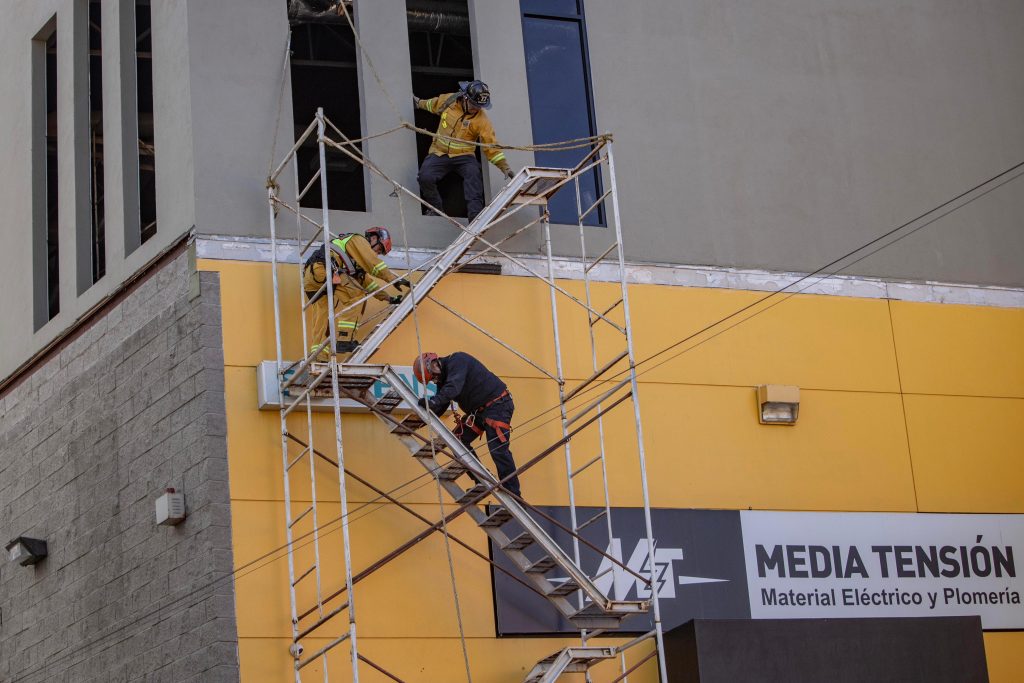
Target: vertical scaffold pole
560, 372
600, 420
311, 449
659, 636
335, 394
284, 427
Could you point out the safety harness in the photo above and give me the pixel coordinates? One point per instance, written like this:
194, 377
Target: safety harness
348, 266
470, 420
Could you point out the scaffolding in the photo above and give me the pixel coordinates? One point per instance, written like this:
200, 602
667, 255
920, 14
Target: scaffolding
514, 526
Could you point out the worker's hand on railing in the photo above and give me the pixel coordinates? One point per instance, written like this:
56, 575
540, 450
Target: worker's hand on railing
395, 299
401, 282
509, 173
416, 102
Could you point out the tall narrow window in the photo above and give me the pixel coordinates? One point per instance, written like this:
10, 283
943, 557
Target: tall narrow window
144, 104
99, 261
441, 55
52, 251
45, 254
324, 74
561, 100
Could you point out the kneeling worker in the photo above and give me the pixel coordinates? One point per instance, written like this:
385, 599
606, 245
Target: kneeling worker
481, 395
358, 271
463, 122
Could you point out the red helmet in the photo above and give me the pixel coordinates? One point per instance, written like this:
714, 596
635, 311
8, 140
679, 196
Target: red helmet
421, 367
383, 236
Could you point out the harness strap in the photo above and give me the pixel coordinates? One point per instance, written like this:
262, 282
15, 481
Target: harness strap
493, 401
500, 428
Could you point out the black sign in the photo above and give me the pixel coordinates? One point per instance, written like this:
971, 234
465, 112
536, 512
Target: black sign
699, 569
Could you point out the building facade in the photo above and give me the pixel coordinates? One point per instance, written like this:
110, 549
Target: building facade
753, 146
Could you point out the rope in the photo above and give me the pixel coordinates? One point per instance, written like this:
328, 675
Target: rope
574, 143
437, 480
280, 106
369, 62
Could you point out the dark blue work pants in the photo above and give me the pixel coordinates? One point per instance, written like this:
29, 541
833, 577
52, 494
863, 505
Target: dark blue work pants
497, 438
434, 168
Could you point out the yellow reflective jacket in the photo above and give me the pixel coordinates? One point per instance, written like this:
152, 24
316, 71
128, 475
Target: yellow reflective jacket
458, 125
371, 273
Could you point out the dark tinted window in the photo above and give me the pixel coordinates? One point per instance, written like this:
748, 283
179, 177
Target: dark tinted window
441, 55
561, 102
99, 264
550, 7
52, 252
323, 71
144, 104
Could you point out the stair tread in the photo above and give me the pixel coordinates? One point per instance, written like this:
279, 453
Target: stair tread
497, 518
428, 449
542, 565
519, 542
451, 471
567, 587
470, 494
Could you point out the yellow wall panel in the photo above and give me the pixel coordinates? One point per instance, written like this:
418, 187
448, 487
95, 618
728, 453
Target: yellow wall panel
960, 350
705, 447
408, 597
968, 453
816, 342
1005, 654
707, 450
429, 659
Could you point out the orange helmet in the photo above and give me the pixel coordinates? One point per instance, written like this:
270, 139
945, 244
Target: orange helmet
382, 235
421, 367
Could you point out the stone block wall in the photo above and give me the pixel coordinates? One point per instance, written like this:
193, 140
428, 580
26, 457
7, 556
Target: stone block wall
88, 442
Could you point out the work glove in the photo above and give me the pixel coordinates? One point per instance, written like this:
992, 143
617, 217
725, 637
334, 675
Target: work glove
416, 102
509, 173
395, 299
401, 282
424, 403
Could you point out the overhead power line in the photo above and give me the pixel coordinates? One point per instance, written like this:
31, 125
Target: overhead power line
883, 241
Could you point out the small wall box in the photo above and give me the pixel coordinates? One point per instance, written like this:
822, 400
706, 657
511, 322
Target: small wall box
778, 404
170, 508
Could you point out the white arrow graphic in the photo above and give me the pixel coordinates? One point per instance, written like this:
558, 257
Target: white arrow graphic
686, 580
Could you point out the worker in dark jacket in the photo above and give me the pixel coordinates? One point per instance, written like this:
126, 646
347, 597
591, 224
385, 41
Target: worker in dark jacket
481, 395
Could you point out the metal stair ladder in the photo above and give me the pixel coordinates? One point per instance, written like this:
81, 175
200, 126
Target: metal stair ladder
451, 462
530, 185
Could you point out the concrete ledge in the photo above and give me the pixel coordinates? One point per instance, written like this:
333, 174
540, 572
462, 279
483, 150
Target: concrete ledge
258, 249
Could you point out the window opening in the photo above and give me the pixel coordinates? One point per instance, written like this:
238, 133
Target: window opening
441, 55
144, 104
561, 96
52, 250
99, 260
324, 74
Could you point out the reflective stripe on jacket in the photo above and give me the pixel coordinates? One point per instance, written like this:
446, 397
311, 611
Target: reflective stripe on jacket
459, 125
371, 272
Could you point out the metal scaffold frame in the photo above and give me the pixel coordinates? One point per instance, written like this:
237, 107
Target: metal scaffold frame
613, 382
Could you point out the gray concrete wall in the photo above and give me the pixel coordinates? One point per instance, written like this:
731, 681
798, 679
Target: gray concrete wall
778, 135
175, 187
781, 134
87, 444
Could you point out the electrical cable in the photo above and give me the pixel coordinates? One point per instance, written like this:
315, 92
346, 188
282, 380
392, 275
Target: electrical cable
236, 573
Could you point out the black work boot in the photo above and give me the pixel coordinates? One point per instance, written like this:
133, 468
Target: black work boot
345, 346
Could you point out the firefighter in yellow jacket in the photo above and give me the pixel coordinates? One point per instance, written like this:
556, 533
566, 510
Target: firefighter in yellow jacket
358, 271
463, 122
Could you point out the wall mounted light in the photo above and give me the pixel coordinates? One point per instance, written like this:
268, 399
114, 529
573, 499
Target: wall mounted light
170, 508
26, 551
778, 404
